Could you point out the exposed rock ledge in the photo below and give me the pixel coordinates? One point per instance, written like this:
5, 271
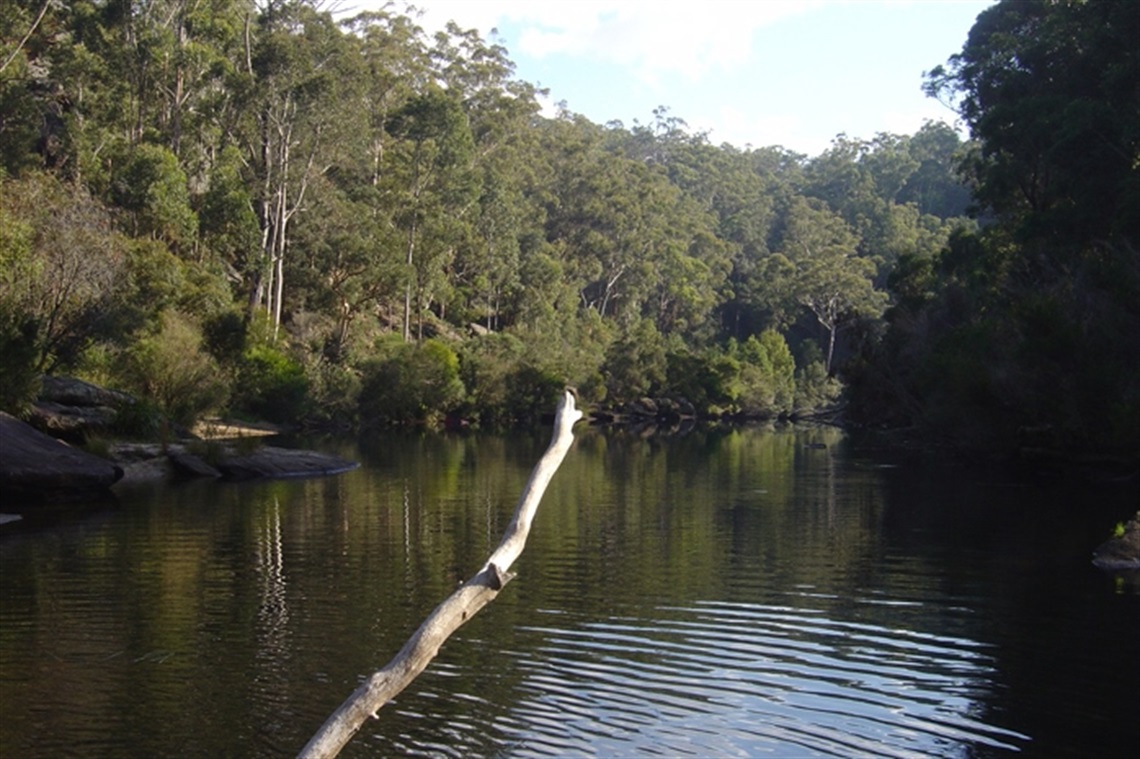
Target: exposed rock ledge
40, 467
1122, 552
35, 463
145, 462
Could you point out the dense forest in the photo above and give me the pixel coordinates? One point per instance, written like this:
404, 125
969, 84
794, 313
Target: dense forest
260, 209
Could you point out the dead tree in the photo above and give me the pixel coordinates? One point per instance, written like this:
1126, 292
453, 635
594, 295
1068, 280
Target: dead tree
460, 606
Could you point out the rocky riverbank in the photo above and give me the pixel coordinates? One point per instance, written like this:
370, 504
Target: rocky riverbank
41, 462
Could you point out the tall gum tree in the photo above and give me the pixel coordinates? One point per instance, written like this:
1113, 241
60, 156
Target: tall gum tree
432, 184
292, 90
818, 268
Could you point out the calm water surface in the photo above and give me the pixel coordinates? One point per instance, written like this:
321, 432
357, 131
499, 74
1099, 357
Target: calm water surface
748, 593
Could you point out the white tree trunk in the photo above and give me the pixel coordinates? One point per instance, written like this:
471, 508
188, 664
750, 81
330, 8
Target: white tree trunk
460, 606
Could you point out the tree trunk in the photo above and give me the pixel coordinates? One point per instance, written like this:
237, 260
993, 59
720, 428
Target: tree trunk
831, 329
409, 259
382, 686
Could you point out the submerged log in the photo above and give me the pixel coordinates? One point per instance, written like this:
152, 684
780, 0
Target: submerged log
382, 686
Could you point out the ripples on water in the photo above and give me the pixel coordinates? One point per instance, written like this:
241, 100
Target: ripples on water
751, 597
718, 679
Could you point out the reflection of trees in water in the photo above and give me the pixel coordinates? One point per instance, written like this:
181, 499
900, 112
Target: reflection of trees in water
273, 612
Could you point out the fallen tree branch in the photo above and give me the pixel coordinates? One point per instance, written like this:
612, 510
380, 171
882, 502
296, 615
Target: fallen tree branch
460, 606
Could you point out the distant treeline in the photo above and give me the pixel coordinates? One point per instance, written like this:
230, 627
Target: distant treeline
255, 208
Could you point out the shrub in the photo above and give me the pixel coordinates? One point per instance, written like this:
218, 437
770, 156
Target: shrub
484, 365
636, 365
767, 374
531, 393
19, 380
271, 385
170, 368
225, 338
709, 380
815, 389
413, 382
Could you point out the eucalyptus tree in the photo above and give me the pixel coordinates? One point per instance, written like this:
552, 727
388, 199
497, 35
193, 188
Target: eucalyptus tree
1031, 324
1049, 90
936, 186
817, 267
347, 263
61, 92
397, 65
502, 112
875, 185
432, 185
174, 57
742, 194
617, 219
295, 72
25, 53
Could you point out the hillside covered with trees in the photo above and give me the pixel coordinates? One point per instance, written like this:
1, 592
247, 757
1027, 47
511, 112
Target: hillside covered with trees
229, 205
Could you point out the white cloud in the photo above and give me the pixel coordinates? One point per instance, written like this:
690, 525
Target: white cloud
742, 128
644, 36
759, 72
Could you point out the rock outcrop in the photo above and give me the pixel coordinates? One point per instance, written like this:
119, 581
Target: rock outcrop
36, 464
148, 462
71, 409
277, 463
1123, 551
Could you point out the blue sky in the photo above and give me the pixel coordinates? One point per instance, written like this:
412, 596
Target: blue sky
768, 72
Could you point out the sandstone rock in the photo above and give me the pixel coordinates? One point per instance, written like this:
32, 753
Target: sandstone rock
68, 391
34, 463
70, 422
281, 462
189, 465
1121, 552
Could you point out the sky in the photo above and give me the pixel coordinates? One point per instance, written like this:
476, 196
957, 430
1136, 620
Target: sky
794, 73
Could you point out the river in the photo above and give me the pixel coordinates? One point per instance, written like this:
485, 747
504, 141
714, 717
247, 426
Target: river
744, 592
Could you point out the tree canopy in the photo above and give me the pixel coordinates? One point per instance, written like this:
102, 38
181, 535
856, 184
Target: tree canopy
290, 196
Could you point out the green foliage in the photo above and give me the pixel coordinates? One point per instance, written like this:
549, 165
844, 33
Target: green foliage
707, 379
143, 420
816, 390
767, 375
531, 394
60, 266
151, 186
503, 386
170, 369
411, 382
270, 385
1024, 334
19, 380
154, 280
299, 187
224, 337
485, 363
334, 395
1049, 90
636, 364
227, 223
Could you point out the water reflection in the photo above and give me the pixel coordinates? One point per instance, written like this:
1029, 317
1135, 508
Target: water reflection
725, 593
744, 680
